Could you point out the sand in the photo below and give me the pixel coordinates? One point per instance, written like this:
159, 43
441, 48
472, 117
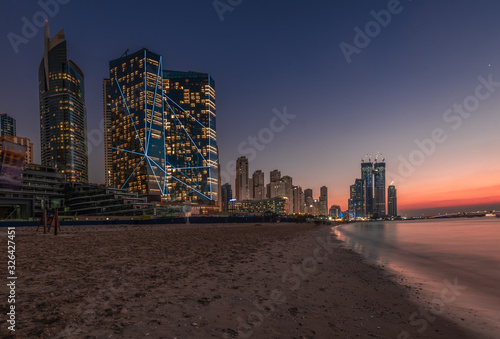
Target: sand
207, 281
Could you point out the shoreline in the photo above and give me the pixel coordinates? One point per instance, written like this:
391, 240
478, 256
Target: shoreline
443, 296
225, 281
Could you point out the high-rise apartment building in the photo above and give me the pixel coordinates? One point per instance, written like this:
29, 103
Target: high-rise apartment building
392, 201
275, 176
309, 202
7, 125
226, 196
241, 184
163, 130
335, 211
108, 135
192, 151
20, 141
63, 120
259, 191
323, 201
379, 180
357, 199
367, 177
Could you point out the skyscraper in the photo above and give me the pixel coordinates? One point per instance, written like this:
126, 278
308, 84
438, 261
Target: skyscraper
323, 201
379, 174
108, 136
138, 124
163, 130
298, 200
275, 176
258, 185
309, 202
189, 101
367, 177
226, 196
63, 120
334, 211
392, 201
241, 184
7, 125
357, 199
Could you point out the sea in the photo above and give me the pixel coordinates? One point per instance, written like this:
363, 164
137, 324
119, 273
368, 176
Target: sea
454, 263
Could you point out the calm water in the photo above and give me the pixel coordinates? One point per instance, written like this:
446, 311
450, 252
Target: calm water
431, 251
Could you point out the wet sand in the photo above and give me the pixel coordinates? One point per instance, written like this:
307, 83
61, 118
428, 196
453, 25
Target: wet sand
207, 281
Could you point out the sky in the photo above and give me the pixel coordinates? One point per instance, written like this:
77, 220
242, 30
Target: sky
318, 84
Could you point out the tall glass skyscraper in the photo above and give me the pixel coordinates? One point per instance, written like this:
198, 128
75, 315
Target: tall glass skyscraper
356, 203
7, 125
392, 201
191, 135
163, 127
63, 121
367, 177
138, 124
379, 175
241, 181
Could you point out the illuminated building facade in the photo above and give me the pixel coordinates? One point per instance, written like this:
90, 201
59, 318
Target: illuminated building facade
7, 125
63, 135
226, 196
191, 135
20, 141
335, 211
392, 201
108, 136
323, 201
241, 184
274, 205
357, 199
367, 177
379, 179
259, 191
163, 130
309, 202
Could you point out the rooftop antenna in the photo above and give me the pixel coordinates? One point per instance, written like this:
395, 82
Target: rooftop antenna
126, 53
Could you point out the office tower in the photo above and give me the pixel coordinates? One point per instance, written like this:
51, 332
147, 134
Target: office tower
163, 130
367, 177
357, 199
392, 201
241, 185
275, 176
226, 196
189, 101
258, 185
379, 175
108, 136
7, 125
20, 141
323, 201
63, 120
335, 211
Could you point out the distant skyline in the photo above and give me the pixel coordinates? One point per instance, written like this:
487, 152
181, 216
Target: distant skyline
423, 89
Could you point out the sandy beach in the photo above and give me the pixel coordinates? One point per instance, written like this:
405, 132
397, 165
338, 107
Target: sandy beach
207, 281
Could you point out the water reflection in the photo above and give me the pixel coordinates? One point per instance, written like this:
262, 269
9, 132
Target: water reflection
369, 239
429, 252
